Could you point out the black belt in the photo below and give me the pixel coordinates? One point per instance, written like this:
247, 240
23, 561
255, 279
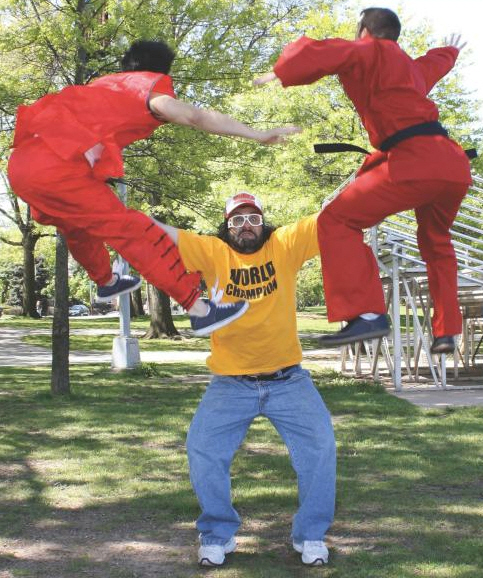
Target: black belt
339, 147
422, 129
268, 376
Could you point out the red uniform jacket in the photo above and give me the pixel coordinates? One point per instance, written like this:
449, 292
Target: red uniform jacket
389, 91
108, 114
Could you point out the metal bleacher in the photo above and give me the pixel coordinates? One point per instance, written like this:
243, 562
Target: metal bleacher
405, 356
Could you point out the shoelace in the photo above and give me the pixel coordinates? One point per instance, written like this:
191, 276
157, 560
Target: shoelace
217, 295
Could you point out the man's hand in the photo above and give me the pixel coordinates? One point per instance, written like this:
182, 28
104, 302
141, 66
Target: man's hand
277, 135
268, 77
455, 41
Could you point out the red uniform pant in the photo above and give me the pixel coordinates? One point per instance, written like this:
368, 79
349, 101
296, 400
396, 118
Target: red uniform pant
351, 275
89, 215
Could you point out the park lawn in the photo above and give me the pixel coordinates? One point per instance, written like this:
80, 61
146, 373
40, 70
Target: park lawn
104, 343
98, 321
312, 319
310, 322
96, 484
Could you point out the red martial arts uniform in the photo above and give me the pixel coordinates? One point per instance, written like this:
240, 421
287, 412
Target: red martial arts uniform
430, 174
66, 145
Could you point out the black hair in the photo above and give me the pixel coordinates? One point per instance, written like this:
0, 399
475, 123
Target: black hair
380, 23
222, 234
155, 56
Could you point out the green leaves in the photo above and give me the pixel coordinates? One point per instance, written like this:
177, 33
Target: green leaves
221, 46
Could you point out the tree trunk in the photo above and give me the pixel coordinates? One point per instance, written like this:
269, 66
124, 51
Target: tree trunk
29, 300
137, 308
161, 318
60, 383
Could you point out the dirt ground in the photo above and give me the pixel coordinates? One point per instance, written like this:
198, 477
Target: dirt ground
92, 543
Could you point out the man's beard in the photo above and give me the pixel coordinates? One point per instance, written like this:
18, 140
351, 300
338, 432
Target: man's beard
246, 245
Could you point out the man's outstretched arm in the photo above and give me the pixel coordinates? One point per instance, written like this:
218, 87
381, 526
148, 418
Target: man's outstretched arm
168, 109
172, 231
436, 63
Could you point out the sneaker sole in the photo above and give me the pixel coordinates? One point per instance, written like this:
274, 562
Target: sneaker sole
130, 290
207, 563
439, 351
220, 324
316, 562
354, 339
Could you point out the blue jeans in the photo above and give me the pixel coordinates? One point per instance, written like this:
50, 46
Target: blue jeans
222, 419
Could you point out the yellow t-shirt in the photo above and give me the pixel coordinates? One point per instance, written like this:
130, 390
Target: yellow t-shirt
265, 338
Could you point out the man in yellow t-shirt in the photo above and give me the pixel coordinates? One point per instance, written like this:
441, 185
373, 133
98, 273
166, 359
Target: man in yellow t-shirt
255, 363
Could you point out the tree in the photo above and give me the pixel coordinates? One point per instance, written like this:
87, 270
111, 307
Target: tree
136, 301
293, 181
309, 285
60, 378
221, 45
52, 45
161, 318
30, 232
15, 286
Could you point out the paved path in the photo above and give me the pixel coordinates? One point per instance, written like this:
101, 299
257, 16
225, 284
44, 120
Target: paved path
440, 398
14, 352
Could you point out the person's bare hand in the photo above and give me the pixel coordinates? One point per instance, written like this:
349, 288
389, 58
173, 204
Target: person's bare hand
278, 135
455, 41
267, 77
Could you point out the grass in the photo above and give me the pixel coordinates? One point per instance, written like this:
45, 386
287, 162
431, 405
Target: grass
100, 322
96, 484
104, 343
311, 321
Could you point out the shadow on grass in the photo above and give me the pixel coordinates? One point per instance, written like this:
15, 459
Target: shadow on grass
97, 484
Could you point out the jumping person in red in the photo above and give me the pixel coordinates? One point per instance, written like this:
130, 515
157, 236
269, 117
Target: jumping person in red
416, 167
68, 144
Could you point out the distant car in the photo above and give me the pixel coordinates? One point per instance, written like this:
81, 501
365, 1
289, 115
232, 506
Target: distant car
78, 310
102, 307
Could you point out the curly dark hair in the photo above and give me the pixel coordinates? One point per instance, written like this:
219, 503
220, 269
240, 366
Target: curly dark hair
151, 55
224, 236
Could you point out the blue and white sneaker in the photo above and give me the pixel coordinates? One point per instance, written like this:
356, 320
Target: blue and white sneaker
357, 329
124, 284
444, 344
219, 315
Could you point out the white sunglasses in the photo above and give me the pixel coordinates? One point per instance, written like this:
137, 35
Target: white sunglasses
237, 221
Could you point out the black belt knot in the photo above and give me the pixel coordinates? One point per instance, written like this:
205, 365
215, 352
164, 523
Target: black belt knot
268, 376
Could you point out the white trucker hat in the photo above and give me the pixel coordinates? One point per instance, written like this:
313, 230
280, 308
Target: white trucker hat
240, 199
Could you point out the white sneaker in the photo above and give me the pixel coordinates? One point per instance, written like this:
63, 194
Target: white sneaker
314, 552
214, 554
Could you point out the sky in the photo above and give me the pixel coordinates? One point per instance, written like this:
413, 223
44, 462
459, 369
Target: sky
447, 16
